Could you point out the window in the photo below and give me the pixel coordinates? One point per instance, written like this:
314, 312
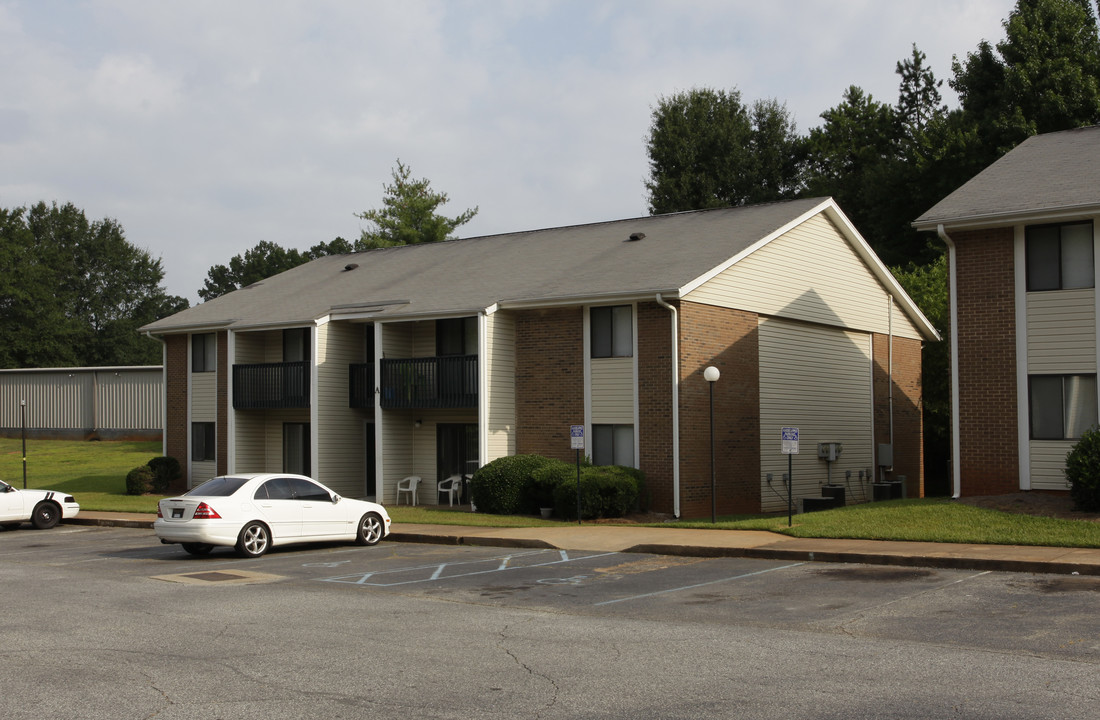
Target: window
296, 448
306, 491
296, 345
456, 336
204, 353
1061, 406
218, 487
1059, 257
203, 443
275, 489
613, 445
612, 331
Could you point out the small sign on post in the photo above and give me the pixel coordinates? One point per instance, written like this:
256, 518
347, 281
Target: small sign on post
790, 449
576, 442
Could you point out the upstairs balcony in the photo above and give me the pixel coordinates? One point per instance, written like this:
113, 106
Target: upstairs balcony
271, 386
426, 383
361, 385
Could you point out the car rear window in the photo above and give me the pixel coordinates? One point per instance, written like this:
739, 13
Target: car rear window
219, 487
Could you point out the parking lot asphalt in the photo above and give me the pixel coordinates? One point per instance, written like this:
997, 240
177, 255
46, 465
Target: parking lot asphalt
723, 543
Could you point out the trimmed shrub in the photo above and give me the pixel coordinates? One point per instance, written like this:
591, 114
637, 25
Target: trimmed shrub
502, 487
139, 481
166, 470
1083, 471
606, 491
546, 479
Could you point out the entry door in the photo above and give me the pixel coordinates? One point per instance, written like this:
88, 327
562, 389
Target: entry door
455, 449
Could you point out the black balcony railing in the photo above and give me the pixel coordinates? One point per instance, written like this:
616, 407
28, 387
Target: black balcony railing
435, 382
361, 385
271, 386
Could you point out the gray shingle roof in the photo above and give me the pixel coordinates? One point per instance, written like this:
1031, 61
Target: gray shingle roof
1055, 173
464, 276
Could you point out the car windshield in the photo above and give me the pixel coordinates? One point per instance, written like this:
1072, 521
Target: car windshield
219, 487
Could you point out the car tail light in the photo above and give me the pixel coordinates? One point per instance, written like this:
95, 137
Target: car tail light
205, 512
159, 513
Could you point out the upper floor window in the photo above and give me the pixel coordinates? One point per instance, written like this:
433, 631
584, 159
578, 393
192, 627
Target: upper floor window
612, 331
296, 345
613, 445
204, 352
203, 441
1062, 406
456, 336
1059, 257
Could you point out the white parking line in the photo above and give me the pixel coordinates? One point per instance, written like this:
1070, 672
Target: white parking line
699, 585
438, 570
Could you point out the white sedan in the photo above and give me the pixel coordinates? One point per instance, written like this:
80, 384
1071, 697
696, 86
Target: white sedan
251, 512
41, 508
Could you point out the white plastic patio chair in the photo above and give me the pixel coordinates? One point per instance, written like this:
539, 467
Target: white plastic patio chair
453, 487
408, 485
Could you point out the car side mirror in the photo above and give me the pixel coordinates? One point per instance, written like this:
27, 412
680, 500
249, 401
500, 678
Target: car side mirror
335, 498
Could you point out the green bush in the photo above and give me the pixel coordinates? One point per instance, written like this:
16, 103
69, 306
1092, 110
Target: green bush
546, 479
1083, 471
502, 487
606, 491
139, 481
166, 470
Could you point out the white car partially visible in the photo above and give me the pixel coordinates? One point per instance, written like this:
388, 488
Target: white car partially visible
41, 508
255, 511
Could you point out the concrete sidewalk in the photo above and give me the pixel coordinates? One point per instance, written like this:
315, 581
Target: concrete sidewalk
722, 543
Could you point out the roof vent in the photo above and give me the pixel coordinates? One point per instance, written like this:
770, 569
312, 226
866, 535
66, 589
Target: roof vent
634, 237
350, 266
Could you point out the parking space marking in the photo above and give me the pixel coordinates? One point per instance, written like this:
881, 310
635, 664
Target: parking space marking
698, 585
441, 571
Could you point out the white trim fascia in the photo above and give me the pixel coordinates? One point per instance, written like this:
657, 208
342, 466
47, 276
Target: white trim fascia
634, 389
1019, 293
379, 454
314, 414
483, 385
492, 309
230, 413
188, 329
596, 299
1021, 217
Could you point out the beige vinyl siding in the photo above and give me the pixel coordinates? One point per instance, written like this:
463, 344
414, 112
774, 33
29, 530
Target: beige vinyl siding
1061, 332
817, 379
273, 434
201, 471
796, 276
397, 340
1048, 463
423, 340
500, 362
204, 397
612, 391
339, 455
251, 442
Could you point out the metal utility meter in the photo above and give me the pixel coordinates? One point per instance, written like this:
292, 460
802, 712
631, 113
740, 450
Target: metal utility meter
829, 451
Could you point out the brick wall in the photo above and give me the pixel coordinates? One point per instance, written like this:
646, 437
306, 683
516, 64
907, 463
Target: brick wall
655, 403
908, 437
176, 403
988, 443
729, 340
549, 380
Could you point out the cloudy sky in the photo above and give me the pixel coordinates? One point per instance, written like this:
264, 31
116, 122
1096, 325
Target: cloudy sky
205, 126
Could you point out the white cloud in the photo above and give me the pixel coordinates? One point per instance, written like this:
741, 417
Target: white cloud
205, 127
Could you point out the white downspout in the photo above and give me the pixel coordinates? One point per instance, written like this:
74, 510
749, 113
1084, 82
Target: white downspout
675, 406
953, 298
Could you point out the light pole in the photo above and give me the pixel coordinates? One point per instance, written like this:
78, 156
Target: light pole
711, 375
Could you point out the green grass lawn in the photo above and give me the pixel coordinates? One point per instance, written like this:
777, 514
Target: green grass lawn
95, 473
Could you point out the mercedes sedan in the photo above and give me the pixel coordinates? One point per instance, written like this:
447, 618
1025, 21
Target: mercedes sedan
252, 512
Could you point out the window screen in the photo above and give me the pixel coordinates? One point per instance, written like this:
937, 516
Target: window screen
613, 445
1060, 257
1062, 406
204, 353
203, 442
612, 331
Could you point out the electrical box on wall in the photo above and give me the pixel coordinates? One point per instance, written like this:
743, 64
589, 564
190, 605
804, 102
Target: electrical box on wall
885, 455
829, 451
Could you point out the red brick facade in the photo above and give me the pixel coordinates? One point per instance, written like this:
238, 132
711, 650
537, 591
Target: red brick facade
908, 425
655, 403
988, 420
549, 380
729, 340
176, 403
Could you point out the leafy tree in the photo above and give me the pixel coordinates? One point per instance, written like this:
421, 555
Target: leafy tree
708, 149
76, 291
263, 261
409, 214
1043, 77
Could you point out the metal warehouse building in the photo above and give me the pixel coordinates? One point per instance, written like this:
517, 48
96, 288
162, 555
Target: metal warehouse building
98, 403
